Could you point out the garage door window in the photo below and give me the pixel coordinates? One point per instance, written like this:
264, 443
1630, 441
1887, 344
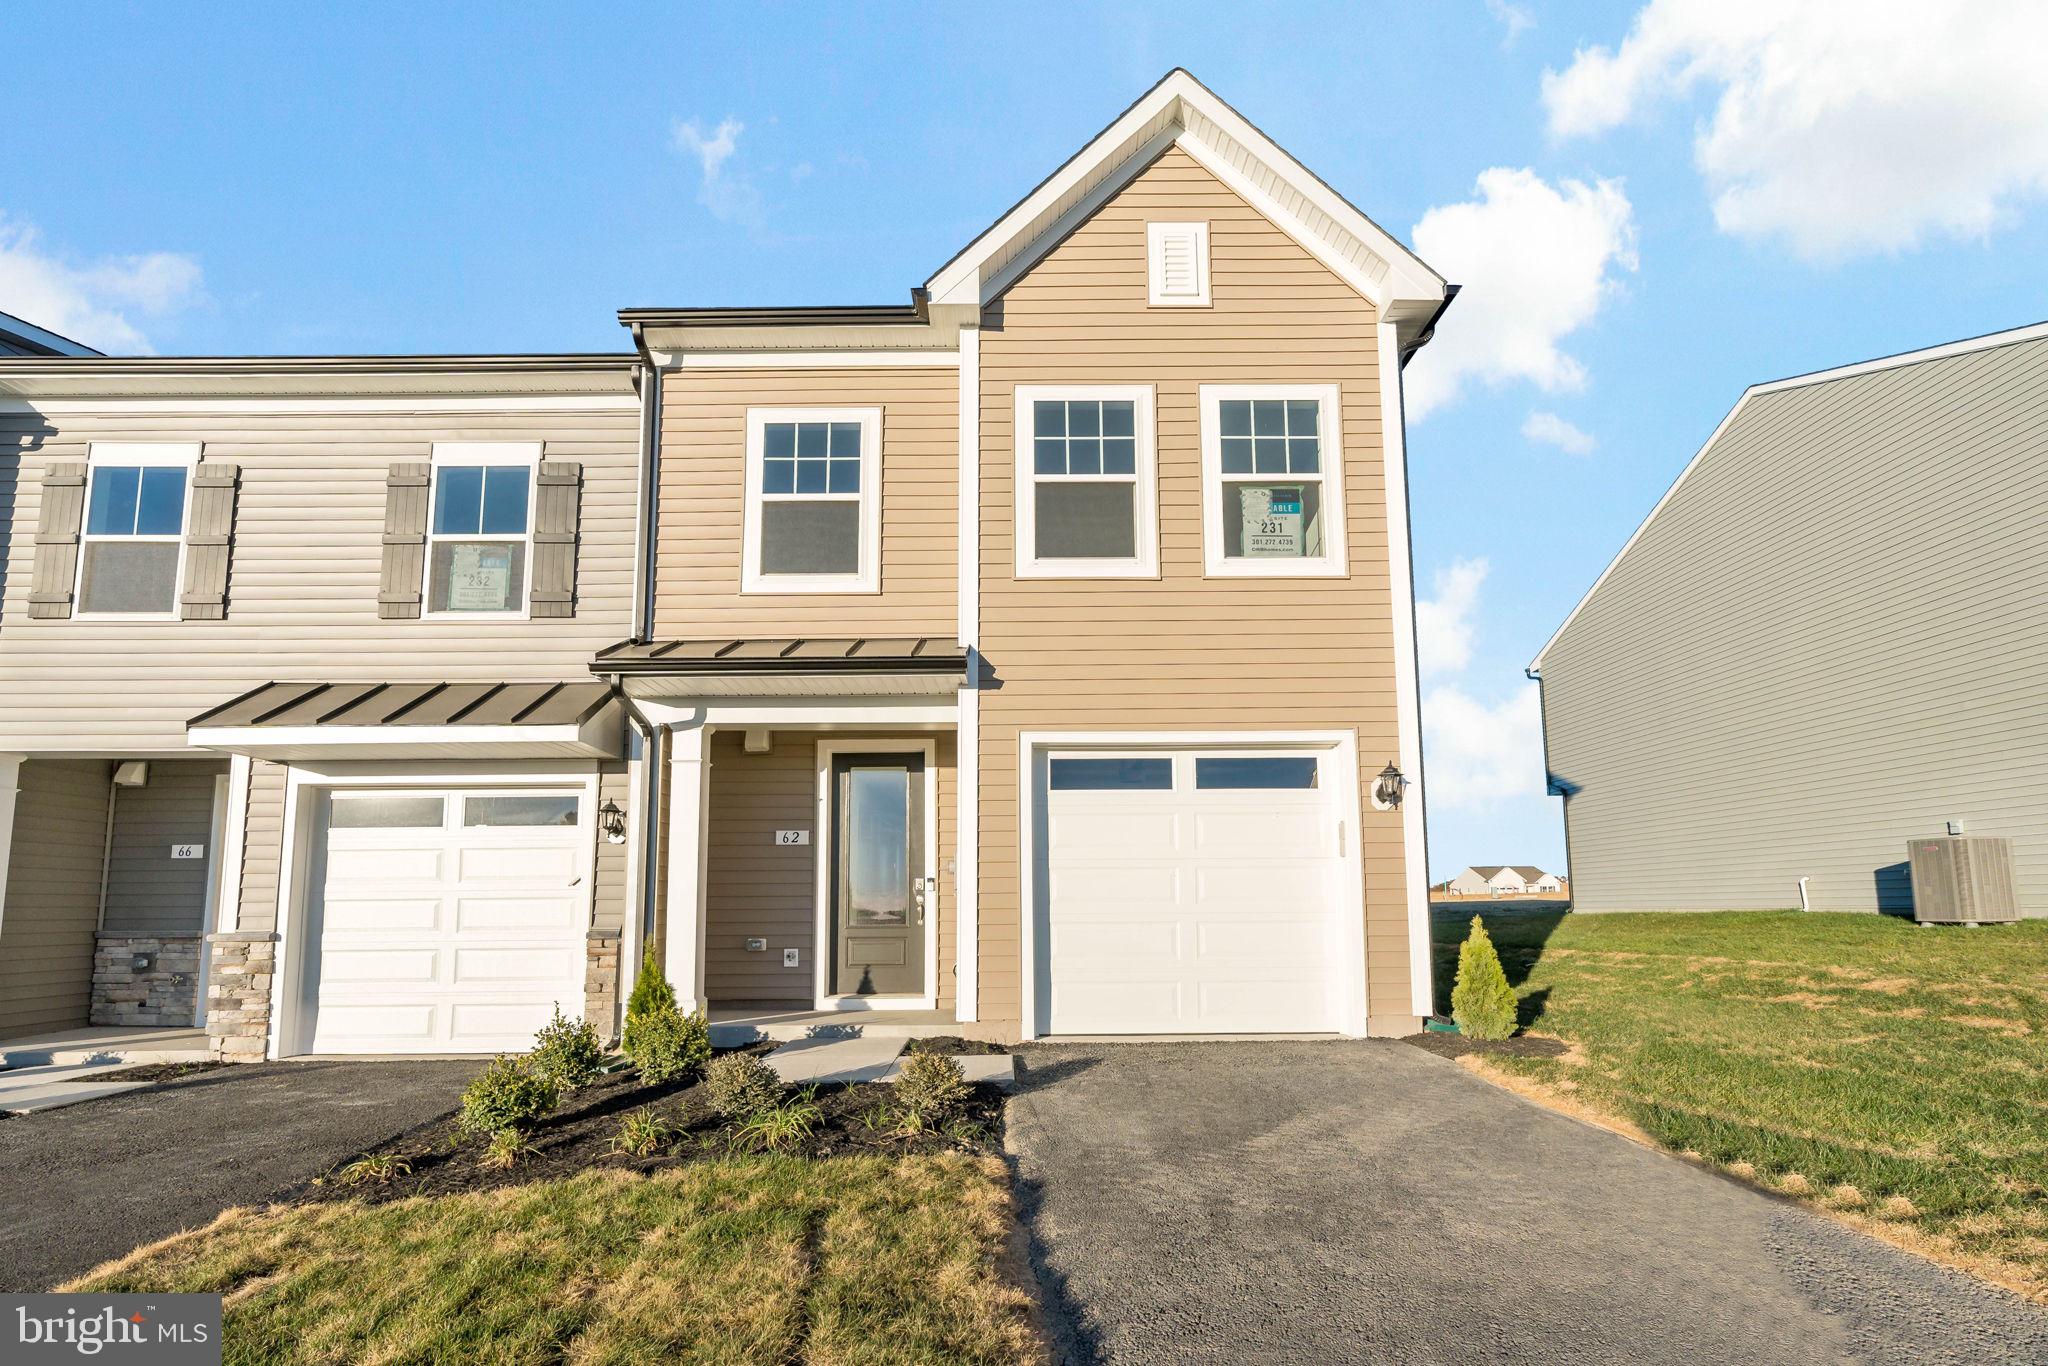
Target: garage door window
387, 813
1271, 771
1111, 775
523, 809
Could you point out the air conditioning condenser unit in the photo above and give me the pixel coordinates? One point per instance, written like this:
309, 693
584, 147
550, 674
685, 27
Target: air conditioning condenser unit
1963, 880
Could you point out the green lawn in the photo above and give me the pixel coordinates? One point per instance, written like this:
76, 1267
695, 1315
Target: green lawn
1896, 1075
770, 1259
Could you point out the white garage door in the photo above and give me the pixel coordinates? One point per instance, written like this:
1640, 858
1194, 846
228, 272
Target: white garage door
448, 922
1190, 892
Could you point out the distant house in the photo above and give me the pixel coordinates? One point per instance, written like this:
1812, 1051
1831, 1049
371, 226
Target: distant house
1825, 641
1520, 879
19, 337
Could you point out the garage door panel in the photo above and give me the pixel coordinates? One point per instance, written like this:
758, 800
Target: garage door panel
488, 1027
1114, 1007
1117, 884
547, 915
1242, 833
496, 863
1113, 832
342, 966
1251, 943
1247, 1004
541, 966
1263, 886
1077, 944
390, 865
372, 1024
380, 915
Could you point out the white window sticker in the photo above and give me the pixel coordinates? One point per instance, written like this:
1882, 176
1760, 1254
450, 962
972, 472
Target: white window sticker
1272, 521
792, 837
185, 851
480, 578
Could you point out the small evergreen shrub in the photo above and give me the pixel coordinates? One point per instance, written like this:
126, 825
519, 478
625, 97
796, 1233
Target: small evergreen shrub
1482, 1002
667, 1044
930, 1090
508, 1094
651, 996
567, 1052
741, 1085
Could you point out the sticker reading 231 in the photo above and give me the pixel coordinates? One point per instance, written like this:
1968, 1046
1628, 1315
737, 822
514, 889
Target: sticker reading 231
792, 837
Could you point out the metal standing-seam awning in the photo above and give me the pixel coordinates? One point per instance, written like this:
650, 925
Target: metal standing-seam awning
861, 666
421, 720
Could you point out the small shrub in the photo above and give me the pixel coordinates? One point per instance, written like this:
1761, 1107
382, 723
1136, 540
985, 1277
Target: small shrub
377, 1168
651, 996
508, 1094
741, 1085
784, 1126
507, 1148
1482, 1002
641, 1132
567, 1052
668, 1044
930, 1090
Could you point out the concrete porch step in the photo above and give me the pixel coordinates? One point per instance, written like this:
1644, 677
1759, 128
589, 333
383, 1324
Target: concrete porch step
836, 1061
111, 1047
24, 1090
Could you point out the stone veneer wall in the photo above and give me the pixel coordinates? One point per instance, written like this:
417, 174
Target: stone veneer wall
601, 981
238, 995
165, 993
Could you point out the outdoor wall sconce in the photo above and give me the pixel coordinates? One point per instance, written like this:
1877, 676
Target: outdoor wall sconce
612, 821
1387, 789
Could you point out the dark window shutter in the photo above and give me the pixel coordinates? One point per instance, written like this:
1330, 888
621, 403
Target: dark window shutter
208, 537
405, 540
57, 540
560, 486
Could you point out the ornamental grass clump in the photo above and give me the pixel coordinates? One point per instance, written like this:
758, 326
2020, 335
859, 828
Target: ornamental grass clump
741, 1086
1482, 1002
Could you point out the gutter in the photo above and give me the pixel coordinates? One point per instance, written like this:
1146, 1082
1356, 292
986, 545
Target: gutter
1428, 331
648, 376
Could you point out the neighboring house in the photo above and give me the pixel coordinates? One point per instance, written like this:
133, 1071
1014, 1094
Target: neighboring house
1824, 641
1536, 882
1497, 880
19, 337
1030, 658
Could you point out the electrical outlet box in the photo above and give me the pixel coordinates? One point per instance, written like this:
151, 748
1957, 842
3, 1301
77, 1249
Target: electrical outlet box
757, 946
792, 958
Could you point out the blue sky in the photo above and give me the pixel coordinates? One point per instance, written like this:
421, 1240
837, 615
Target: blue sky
1684, 199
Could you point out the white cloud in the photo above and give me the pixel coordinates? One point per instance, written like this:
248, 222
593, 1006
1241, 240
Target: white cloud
1443, 622
731, 196
1514, 18
1480, 754
95, 302
1842, 126
1552, 430
1535, 261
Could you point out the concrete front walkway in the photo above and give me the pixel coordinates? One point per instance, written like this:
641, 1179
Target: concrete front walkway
50, 1071
1366, 1201
83, 1184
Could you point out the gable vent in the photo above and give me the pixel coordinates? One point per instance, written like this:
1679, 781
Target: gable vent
1179, 263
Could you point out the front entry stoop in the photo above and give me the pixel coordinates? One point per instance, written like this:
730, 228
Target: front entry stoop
824, 1061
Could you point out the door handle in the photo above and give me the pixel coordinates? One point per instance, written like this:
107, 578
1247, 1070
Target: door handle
917, 885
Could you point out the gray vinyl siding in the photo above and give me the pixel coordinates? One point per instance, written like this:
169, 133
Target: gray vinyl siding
611, 894
53, 896
262, 846
1830, 640
304, 578
147, 890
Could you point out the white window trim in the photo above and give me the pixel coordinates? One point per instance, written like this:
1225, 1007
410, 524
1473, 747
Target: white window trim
1143, 565
527, 453
126, 454
1155, 275
868, 579
1331, 564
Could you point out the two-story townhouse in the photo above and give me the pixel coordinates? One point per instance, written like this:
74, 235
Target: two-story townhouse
294, 658
1038, 658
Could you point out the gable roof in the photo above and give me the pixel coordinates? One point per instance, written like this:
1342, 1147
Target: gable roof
1987, 342
1486, 871
1181, 111
1530, 873
19, 337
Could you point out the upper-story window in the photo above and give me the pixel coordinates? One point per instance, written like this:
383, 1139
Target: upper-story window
1085, 482
480, 528
1272, 491
814, 501
1177, 265
132, 550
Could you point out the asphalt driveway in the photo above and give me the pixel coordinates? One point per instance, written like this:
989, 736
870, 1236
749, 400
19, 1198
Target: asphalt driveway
1366, 1201
92, 1181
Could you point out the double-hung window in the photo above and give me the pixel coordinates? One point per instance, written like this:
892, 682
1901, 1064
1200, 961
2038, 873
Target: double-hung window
813, 502
132, 552
1272, 485
1086, 486
480, 528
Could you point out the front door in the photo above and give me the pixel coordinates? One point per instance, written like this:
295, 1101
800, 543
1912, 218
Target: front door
878, 883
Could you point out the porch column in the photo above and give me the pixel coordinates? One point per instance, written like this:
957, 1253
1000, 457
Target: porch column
10, 788
689, 776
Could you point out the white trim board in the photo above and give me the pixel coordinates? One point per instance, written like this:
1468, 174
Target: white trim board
809, 360
967, 739
536, 403
1987, 342
822, 942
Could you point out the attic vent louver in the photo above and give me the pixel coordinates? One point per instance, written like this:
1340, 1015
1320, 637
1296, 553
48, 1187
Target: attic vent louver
1178, 263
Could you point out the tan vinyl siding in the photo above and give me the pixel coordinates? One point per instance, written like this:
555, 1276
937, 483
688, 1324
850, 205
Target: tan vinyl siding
262, 846
148, 890
703, 462
1183, 652
53, 896
758, 888
1828, 642
303, 590
611, 895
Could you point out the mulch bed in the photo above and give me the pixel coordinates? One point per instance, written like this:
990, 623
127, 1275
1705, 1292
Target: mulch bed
1457, 1045
150, 1071
954, 1046
578, 1137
